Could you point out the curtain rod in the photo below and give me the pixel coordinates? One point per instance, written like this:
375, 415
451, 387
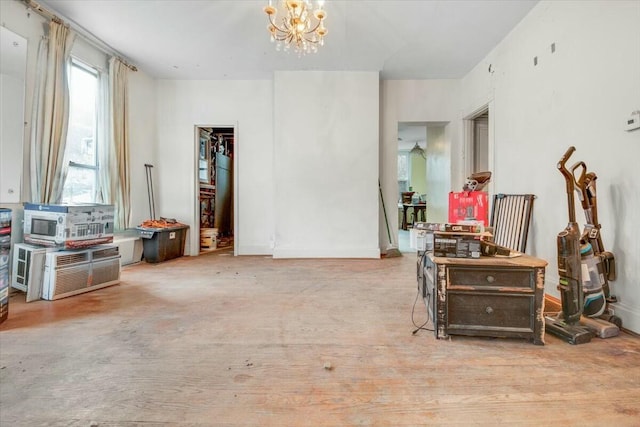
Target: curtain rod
32, 5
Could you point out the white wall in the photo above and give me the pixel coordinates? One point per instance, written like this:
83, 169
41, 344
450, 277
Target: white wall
246, 103
419, 101
326, 164
580, 95
143, 135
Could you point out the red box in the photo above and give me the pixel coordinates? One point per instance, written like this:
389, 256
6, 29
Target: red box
469, 206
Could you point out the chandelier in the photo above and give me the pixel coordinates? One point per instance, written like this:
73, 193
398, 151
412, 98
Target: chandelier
297, 27
417, 149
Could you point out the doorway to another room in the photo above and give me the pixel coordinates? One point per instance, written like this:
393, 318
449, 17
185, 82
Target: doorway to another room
480, 143
215, 167
424, 176
412, 179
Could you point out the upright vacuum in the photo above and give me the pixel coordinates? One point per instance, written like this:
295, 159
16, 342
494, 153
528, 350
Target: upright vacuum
598, 265
569, 324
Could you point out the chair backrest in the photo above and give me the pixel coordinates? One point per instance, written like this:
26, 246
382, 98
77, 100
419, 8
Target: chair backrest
510, 218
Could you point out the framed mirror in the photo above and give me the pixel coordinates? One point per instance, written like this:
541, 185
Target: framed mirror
13, 51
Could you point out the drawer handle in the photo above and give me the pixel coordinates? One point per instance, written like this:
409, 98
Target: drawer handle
489, 310
491, 279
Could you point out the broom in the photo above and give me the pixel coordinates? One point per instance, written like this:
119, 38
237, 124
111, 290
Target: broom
392, 251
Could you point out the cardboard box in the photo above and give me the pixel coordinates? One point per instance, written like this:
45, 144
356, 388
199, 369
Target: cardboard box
422, 235
471, 207
449, 228
456, 245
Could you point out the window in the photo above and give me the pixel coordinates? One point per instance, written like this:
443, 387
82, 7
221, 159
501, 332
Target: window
404, 166
81, 183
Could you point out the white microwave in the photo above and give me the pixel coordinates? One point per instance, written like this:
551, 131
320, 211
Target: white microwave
68, 226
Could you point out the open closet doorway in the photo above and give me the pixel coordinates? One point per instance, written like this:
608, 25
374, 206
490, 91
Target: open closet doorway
216, 152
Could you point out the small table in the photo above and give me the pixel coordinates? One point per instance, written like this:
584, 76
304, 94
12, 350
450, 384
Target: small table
489, 296
418, 209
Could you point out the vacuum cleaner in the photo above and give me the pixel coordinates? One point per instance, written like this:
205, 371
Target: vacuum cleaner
598, 264
575, 255
566, 324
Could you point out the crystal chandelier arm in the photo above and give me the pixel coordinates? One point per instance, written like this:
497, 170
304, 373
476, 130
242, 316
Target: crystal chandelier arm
313, 31
278, 33
314, 28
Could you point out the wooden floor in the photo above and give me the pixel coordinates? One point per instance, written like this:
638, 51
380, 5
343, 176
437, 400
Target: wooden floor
251, 341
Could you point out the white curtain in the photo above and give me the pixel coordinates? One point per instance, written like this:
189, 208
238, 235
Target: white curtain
105, 149
120, 188
51, 115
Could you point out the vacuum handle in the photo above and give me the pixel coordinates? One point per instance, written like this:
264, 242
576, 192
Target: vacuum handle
562, 164
569, 179
581, 183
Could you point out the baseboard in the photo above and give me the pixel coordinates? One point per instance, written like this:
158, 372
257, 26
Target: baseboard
254, 250
326, 252
552, 304
630, 316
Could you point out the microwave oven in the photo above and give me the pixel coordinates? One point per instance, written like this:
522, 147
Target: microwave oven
68, 226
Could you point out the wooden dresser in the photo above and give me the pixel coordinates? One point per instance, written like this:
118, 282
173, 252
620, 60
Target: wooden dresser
489, 296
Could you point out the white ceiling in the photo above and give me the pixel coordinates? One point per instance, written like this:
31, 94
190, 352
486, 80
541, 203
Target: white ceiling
402, 39
412, 133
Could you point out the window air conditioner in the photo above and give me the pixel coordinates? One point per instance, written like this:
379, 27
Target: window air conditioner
68, 273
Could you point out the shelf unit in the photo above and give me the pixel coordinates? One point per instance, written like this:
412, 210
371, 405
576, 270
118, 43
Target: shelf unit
216, 146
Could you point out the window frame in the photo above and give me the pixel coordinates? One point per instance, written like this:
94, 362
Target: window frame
97, 73
407, 155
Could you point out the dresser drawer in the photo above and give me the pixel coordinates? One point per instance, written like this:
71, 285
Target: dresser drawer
478, 311
491, 277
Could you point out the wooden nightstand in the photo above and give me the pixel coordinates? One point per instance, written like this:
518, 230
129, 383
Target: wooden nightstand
489, 296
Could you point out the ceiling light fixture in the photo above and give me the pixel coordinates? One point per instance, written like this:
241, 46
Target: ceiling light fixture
418, 150
297, 27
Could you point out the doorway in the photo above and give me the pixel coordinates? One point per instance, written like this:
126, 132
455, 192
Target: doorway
430, 176
412, 179
480, 143
216, 153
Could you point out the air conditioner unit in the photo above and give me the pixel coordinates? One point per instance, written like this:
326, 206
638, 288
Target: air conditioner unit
28, 269
68, 273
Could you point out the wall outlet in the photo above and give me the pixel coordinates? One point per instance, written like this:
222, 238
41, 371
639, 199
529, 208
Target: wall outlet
633, 122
